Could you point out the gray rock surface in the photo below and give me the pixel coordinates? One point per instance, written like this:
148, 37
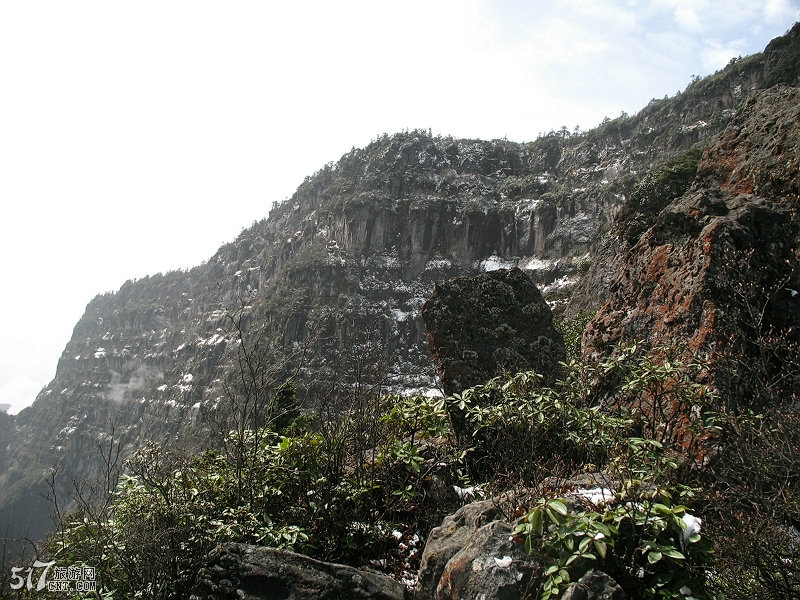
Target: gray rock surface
249, 572
452, 535
595, 585
472, 555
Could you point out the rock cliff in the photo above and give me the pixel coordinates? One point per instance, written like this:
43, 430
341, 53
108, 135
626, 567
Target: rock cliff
716, 276
334, 278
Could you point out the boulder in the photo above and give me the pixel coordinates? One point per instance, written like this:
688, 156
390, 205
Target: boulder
472, 555
478, 327
248, 572
446, 540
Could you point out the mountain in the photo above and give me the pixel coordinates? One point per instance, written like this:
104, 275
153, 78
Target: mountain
327, 289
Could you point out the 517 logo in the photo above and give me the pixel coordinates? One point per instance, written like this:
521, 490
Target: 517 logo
17, 581
64, 579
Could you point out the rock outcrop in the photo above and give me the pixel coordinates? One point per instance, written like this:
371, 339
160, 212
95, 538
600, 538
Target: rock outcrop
342, 269
242, 572
471, 555
717, 274
474, 554
479, 327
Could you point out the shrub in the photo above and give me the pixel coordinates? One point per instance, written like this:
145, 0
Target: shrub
654, 192
572, 330
752, 506
336, 487
651, 547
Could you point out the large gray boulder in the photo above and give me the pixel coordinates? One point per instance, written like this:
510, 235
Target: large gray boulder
246, 572
480, 327
472, 555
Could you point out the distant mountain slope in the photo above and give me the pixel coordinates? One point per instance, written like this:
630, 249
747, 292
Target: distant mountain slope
341, 269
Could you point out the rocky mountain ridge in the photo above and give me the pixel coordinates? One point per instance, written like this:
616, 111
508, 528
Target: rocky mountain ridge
343, 268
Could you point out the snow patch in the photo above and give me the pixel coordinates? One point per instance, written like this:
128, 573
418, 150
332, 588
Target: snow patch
215, 339
467, 492
693, 126
494, 262
438, 263
559, 283
216, 315
597, 496
402, 315
536, 264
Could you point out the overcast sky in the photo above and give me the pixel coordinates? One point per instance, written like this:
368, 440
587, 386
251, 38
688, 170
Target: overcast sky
138, 137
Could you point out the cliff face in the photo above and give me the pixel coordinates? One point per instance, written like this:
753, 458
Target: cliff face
339, 272
715, 278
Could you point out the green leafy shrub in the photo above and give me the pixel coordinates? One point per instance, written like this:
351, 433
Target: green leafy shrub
335, 491
523, 432
648, 545
572, 331
637, 533
654, 192
335, 487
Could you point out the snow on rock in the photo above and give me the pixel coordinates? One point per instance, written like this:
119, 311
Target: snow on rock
560, 283
494, 262
403, 315
217, 338
536, 264
597, 496
438, 264
467, 492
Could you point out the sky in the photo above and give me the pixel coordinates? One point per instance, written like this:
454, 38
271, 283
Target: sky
138, 137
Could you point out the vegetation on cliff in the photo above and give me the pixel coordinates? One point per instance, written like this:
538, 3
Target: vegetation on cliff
357, 486
255, 389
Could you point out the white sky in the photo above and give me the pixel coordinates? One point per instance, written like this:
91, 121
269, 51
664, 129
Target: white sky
138, 137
